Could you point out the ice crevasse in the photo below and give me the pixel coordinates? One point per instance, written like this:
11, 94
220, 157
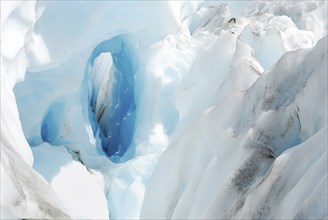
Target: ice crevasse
167, 110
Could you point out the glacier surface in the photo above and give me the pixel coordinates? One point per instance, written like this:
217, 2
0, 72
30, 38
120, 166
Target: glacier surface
164, 110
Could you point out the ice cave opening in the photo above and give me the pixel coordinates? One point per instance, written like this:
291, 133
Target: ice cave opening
105, 79
111, 69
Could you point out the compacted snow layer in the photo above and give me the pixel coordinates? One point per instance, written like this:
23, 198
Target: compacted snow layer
234, 94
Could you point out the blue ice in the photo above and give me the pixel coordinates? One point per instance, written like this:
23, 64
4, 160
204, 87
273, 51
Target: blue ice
116, 120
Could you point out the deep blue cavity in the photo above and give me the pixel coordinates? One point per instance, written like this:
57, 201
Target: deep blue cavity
116, 120
52, 123
44, 132
118, 128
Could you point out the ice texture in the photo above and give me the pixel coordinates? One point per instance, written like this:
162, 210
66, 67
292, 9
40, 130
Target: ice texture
164, 109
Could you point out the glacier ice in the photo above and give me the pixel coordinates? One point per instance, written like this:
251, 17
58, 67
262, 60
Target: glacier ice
147, 109
112, 93
258, 132
24, 192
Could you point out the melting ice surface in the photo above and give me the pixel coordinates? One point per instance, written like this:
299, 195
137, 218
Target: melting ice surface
169, 110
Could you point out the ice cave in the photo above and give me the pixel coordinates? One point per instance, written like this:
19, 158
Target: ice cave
114, 111
164, 109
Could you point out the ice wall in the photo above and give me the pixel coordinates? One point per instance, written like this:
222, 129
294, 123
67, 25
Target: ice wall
239, 157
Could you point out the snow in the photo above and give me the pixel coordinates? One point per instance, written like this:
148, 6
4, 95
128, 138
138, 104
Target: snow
24, 192
164, 109
80, 190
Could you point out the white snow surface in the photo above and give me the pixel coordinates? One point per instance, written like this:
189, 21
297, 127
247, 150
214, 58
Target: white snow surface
164, 109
